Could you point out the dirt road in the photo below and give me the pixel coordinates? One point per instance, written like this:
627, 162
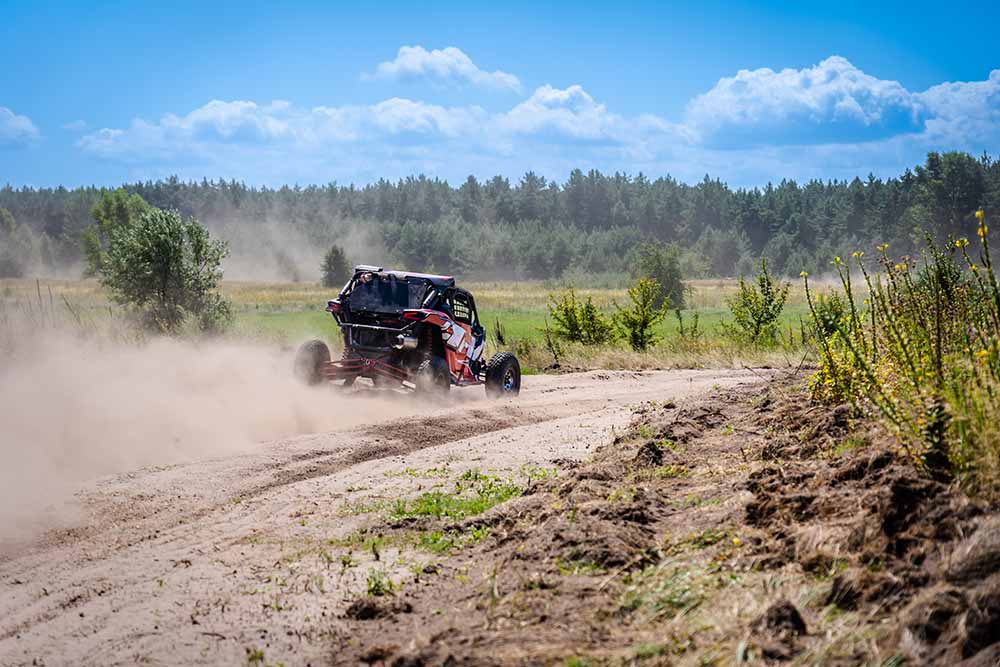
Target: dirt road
255, 557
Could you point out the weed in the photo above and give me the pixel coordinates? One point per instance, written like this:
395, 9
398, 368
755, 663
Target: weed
622, 494
663, 591
702, 540
438, 471
848, 445
378, 583
670, 471
473, 494
438, 542
647, 651
575, 566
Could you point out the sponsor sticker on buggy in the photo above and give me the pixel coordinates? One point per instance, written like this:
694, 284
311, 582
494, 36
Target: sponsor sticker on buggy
457, 336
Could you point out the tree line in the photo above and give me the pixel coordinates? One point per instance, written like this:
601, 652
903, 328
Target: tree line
536, 228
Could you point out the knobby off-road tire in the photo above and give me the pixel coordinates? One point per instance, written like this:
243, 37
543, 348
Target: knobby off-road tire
433, 376
310, 359
503, 375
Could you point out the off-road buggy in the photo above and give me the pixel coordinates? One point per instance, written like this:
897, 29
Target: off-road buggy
408, 330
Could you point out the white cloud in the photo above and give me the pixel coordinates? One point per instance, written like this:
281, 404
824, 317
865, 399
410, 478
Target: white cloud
15, 130
964, 112
827, 121
75, 125
570, 111
446, 65
246, 124
832, 102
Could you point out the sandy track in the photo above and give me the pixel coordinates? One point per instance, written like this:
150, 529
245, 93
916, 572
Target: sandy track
205, 561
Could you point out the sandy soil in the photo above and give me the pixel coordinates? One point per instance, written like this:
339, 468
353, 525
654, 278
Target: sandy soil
254, 557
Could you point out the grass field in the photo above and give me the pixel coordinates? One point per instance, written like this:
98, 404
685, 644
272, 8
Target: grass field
285, 314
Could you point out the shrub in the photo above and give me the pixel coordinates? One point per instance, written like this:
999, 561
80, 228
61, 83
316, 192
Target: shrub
335, 269
662, 264
579, 321
756, 309
829, 311
924, 352
167, 269
636, 323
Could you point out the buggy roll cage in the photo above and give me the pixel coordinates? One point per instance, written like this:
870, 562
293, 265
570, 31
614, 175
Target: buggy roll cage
440, 288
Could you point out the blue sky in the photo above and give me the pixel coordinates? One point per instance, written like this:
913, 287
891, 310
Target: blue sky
107, 92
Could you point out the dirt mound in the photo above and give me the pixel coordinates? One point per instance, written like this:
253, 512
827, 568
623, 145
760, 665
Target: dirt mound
901, 543
777, 630
370, 608
691, 499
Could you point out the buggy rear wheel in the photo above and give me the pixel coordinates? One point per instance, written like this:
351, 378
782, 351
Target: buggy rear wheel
310, 359
433, 376
503, 375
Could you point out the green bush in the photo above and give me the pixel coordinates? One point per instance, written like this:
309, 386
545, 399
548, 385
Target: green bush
756, 309
636, 322
166, 268
829, 312
579, 321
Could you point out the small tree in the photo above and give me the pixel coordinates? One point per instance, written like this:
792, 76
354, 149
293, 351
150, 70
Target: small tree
167, 268
579, 321
756, 309
636, 322
114, 210
662, 263
335, 269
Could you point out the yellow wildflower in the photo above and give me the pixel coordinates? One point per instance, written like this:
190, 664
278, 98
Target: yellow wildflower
983, 353
882, 247
980, 215
982, 230
736, 541
901, 267
804, 274
973, 268
858, 254
962, 242
836, 260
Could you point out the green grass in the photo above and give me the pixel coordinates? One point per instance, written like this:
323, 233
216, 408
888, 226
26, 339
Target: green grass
470, 497
286, 328
286, 314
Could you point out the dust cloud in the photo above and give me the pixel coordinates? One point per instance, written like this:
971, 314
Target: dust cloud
72, 410
279, 252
